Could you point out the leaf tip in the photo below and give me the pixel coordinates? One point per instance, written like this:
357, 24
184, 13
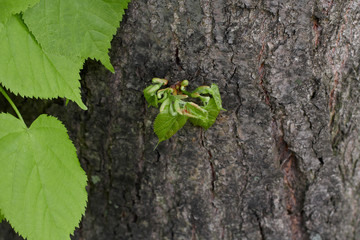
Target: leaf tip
81, 105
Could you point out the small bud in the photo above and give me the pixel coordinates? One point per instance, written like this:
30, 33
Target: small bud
177, 106
164, 92
152, 89
164, 104
172, 110
160, 80
181, 96
185, 83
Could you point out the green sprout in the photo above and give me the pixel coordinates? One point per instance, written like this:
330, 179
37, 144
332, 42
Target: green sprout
176, 108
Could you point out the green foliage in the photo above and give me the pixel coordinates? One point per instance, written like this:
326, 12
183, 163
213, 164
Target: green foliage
13, 7
150, 94
175, 110
41, 178
43, 45
166, 125
30, 71
77, 29
213, 112
42, 57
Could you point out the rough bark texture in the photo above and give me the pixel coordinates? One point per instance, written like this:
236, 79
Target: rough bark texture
280, 163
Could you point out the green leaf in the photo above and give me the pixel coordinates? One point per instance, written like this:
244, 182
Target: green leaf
42, 185
1, 217
28, 70
150, 94
216, 95
196, 111
213, 91
213, 112
82, 28
10, 7
166, 125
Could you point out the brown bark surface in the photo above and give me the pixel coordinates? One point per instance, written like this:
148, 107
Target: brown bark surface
280, 163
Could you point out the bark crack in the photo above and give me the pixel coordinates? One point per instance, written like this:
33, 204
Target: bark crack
261, 229
295, 182
212, 168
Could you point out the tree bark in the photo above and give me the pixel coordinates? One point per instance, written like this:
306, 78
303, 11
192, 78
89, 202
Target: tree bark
280, 163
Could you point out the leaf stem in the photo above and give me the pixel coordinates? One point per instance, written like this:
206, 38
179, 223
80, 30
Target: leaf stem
12, 104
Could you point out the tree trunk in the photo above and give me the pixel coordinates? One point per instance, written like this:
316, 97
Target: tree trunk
280, 163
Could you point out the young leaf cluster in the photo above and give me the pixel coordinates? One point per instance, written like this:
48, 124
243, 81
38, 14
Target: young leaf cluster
43, 45
176, 109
